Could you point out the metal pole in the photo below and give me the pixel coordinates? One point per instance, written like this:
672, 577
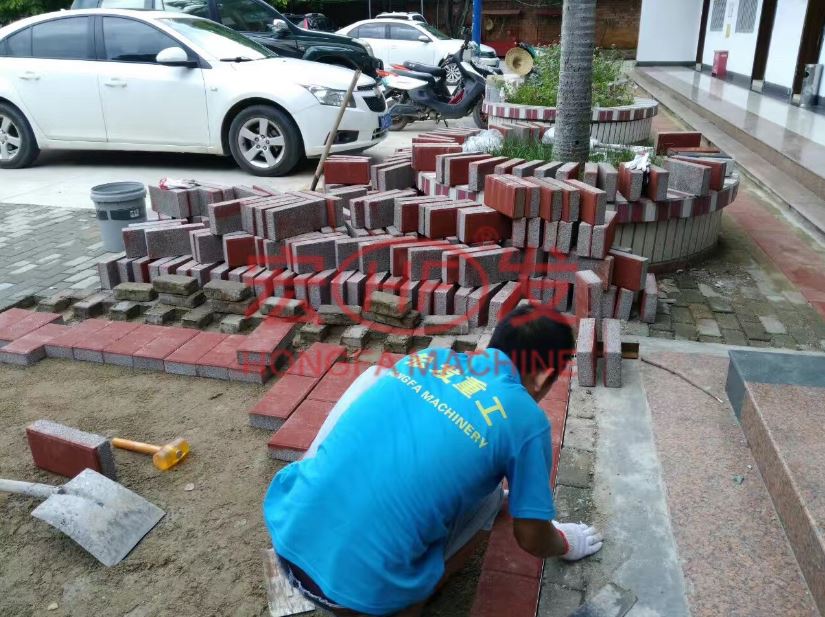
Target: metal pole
477, 21
331, 137
422, 7
369, 8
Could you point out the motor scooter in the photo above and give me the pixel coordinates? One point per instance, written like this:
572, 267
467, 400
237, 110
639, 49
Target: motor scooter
417, 91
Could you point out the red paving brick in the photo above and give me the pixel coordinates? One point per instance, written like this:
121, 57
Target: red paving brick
30, 348
92, 346
218, 361
61, 346
21, 323
297, 433
61, 456
502, 594
153, 353
267, 342
281, 400
184, 360
121, 350
339, 377
317, 360
792, 256
505, 555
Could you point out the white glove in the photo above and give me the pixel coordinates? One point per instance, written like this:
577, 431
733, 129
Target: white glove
582, 540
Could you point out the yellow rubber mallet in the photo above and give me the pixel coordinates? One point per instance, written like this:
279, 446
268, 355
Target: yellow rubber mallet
164, 457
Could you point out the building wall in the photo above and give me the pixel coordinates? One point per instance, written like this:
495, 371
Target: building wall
669, 31
740, 46
784, 49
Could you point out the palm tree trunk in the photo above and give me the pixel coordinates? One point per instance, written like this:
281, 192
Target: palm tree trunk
574, 108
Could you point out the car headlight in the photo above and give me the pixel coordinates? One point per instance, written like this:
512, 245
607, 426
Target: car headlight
367, 46
328, 96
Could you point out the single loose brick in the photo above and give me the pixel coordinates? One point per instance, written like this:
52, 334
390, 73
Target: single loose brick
281, 401
586, 353
67, 451
612, 348
295, 437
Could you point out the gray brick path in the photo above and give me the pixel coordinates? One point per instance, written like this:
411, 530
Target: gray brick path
45, 250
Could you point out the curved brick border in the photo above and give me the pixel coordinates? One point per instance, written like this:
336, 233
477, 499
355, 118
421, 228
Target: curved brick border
640, 110
627, 124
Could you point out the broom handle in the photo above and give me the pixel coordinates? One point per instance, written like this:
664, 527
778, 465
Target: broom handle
32, 489
134, 446
331, 137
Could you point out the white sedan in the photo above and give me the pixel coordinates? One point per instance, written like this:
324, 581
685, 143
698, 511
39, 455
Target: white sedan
153, 81
396, 41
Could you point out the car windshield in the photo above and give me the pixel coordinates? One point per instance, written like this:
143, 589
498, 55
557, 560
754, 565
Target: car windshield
219, 40
435, 32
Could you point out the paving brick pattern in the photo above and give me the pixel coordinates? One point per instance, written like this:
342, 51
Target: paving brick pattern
44, 250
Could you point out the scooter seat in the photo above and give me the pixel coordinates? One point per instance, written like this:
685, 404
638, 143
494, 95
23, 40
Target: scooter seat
430, 79
435, 71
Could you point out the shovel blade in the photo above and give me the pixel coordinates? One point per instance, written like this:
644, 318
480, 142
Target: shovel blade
99, 514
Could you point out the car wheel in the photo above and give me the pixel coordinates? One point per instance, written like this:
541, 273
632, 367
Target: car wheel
453, 74
265, 141
18, 147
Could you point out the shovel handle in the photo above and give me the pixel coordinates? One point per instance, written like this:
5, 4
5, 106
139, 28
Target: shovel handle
134, 446
32, 489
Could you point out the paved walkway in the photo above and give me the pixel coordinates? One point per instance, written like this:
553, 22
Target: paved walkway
44, 250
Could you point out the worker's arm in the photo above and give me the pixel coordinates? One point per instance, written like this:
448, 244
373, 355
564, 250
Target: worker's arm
539, 538
570, 541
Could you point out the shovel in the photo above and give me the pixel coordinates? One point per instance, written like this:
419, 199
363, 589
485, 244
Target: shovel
99, 514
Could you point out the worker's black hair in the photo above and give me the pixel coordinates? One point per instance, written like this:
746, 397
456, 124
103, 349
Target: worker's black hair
534, 338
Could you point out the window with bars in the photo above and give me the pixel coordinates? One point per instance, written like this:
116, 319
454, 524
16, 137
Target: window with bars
746, 18
717, 17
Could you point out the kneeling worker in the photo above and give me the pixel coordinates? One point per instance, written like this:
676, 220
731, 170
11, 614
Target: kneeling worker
404, 478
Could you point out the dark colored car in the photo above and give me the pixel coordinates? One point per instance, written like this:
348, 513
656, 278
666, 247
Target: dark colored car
265, 25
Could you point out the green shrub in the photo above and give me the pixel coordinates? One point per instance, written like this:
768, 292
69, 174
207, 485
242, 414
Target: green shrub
534, 150
610, 86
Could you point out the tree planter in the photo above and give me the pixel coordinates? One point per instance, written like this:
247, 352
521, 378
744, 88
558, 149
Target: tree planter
628, 124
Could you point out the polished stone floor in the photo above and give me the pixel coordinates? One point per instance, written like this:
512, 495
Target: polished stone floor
798, 133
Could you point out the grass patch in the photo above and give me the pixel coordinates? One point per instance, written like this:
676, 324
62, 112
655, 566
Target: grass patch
534, 150
611, 88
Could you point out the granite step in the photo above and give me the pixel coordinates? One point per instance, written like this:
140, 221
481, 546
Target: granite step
779, 400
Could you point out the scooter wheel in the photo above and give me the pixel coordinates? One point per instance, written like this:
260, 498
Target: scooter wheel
399, 123
479, 116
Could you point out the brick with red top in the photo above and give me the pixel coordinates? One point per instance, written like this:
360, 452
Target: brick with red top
62, 346
592, 204
267, 344
153, 353
90, 349
457, 168
477, 171
294, 438
185, 359
339, 377
629, 270
30, 348
281, 401
217, 362
120, 351
423, 154
239, 249
481, 223
347, 170
677, 139
502, 593
15, 323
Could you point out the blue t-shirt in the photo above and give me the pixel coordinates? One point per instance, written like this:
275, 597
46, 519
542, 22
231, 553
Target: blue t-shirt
368, 517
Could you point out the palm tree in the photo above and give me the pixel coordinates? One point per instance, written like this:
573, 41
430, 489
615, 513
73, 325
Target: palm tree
574, 107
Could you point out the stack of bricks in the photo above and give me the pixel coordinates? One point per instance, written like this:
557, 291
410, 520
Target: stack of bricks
524, 234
